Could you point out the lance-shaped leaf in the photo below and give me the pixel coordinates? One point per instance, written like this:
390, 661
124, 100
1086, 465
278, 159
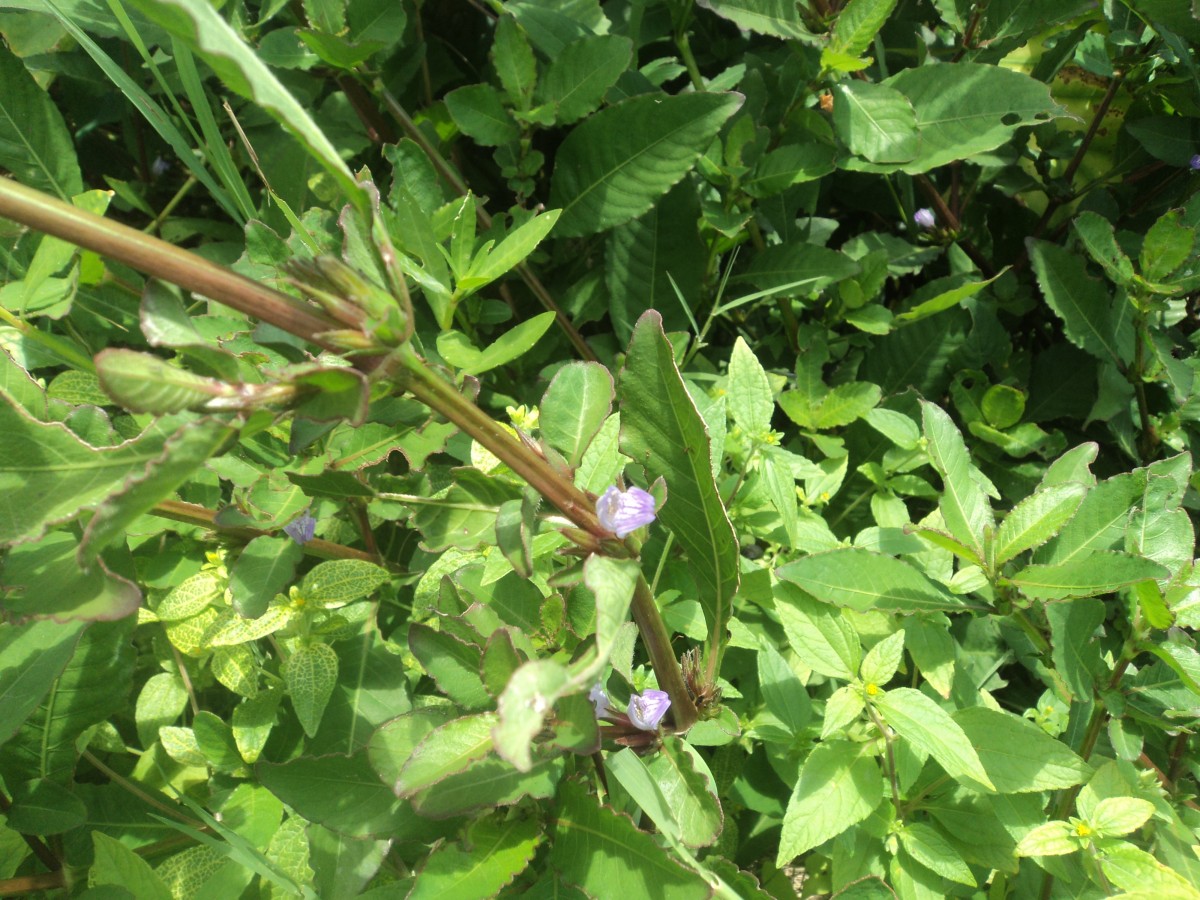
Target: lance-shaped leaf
48, 475
930, 729
1100, 573
34, 653
146, 384
839, 786
597, 848
183, 453
201, 28
493, 854
613, 166
311, 673
45, 579
448, 749
1037, 518
35, 145
662, 432
963, 504
862, 580
574, 408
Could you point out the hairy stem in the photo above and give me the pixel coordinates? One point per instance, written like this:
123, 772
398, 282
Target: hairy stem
160, 259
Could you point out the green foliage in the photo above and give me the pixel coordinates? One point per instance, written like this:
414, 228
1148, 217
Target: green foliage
307, 399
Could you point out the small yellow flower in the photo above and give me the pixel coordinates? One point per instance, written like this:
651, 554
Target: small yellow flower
872, 689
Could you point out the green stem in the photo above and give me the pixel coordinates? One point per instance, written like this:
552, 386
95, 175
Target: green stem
662, 657
440, 396
160, 259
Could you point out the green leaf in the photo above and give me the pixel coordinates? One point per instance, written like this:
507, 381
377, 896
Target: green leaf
43, 806
311, 673
202, 29
633, 774
1037, 519
1084, 304
1018, 755
844, 706
967, 108
662, 432
963, 503
488, 783
1096, 232
839, 786
862, 580
1168, 244
48, 475
926, 845
263, 569
613, 166
946, 299
96, 682
574, 407
182, 454
490, 264
35, 654
597, 848
784, 694
479, 113
875, 121
456, 349
778, 18
144, 383
1076, 653
453, 664
340, 792
656, 261
513, 58
114, 863
881, 662
45, 579
35, 145
930, 729
750, 399
214, 738
1116, 816
798, 268
1143, 877
448, 749
465, 516
340, 581
1049, 839
492, 855
857, 24
818, 633
580, 75
1101, 521
1100, 573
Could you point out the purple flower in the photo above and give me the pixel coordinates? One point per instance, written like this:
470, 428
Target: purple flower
647, 709
301, 530
623, 512
1194, 162
599, 700
925, 218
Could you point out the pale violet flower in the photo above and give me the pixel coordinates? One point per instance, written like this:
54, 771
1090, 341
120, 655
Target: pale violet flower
599, 700
647, 709
925, 218
301, 530
623, 512
1194, 163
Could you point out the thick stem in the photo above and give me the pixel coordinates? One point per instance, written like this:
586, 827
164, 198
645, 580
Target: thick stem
662, 657
159, 259
440, 396
190, 513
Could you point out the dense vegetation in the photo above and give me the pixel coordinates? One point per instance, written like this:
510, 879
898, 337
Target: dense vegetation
570, 448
